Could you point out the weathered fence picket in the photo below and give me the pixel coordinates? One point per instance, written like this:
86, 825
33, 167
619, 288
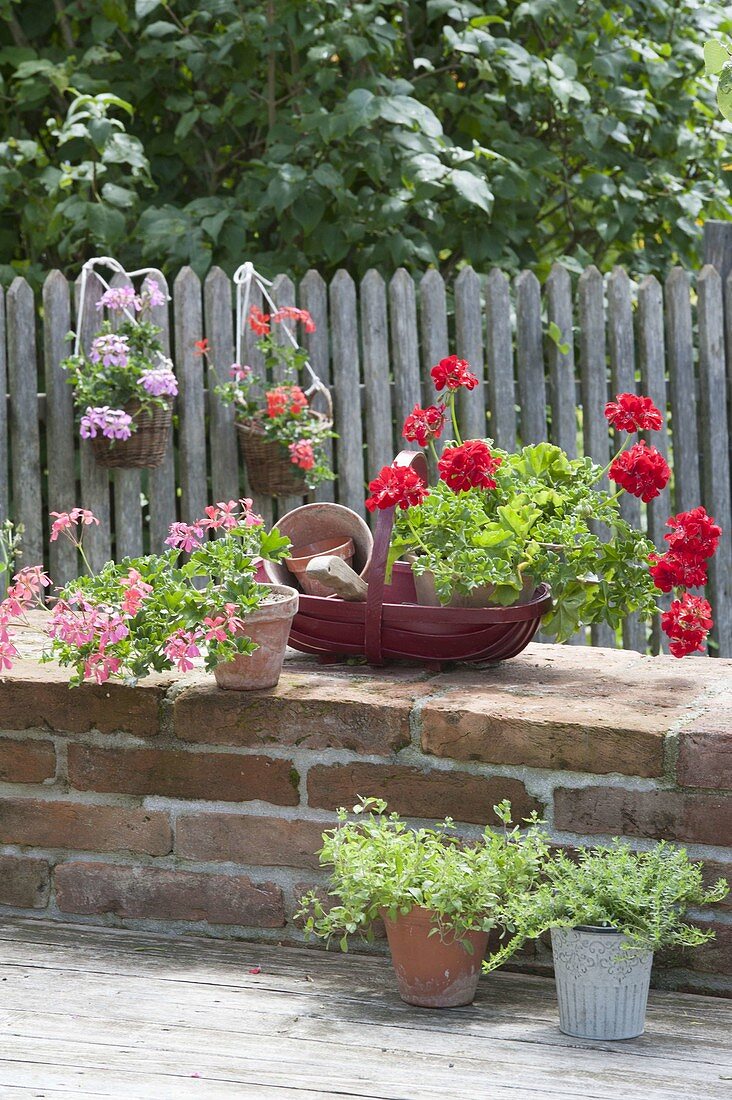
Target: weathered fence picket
374, 345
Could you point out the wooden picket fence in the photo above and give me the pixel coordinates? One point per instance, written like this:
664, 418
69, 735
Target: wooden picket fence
374, 345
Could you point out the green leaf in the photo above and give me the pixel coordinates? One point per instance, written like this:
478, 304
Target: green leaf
472, 188
724, 91
143, 8
716, 57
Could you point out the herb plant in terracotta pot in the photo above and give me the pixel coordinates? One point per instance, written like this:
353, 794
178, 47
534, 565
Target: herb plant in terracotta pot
497, 524
608, 910
199, 599
439, 898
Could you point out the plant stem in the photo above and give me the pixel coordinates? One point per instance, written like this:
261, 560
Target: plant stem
453, 417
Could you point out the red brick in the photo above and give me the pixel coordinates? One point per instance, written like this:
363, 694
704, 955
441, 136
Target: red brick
52, 824
265, 841
705, 750
43, 700
175, 773
415, 793
24, 882
543, 730
310, 711
670, 815
148, 892
26, 761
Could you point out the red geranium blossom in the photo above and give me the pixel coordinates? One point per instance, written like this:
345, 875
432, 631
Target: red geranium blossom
258, 321
672, 570
469, 466
422, 425
396, 486
201, 347
302, 454
642, 471
291, 313
453, 373
631, 413
284, 399
687, 622
694, 533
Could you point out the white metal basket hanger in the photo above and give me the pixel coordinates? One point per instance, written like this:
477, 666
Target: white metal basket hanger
115, 266
244, 276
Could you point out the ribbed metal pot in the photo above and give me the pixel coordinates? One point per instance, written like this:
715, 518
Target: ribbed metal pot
602, 989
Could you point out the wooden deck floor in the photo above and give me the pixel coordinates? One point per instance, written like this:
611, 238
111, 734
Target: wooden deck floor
108, 1013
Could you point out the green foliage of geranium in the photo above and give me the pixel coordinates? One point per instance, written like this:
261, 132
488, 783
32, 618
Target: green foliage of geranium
644, 895
545, 521
381, 864
373, 132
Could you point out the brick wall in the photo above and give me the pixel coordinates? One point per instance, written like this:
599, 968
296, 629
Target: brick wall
175, 806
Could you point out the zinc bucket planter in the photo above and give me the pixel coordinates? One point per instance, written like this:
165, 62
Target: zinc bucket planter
433, 971
602, 989
269, 627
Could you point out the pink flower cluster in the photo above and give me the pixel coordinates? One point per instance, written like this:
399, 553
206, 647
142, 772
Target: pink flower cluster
110, 349
78, 623
112, 423
25, 592
224, 515
125, 297
183, 646
159, 381
66, 522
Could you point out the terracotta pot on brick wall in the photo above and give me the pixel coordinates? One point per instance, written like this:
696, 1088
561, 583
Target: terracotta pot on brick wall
301, 556
433, 971
269, 627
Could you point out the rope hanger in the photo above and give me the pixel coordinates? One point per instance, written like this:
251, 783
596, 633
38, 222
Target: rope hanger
116, 266
244, 277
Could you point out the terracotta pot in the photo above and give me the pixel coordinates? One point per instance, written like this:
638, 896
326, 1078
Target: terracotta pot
302, 555
269, 627
424, 584
316, 523
433, 972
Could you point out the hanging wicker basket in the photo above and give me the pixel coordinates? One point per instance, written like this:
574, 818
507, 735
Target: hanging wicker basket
270, 469
146, 447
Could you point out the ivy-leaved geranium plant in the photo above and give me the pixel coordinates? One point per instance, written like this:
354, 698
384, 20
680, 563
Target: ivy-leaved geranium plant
505, 522
282, 412
644, 895
124, 370
380, 864
162, 611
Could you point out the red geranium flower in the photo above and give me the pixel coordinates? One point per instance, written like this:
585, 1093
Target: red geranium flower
284, 399
396, 486
258, 321
302, 454
642, 471
672, 570
201, 347
453, 373
469, 466
291, 313
422, 425
631, 413
687, 622
694, 533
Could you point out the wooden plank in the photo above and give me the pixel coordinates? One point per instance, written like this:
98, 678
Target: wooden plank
717, 246
651, 341
219, 324
314, 298
499, 361
530, 359
24, 432
4, 417
715, 444
191, 411
61, 432
682, 384
622, 374
380, 444
127, 483
94, 478
434, 340
471, 404
404, 350
347, 392
161, 482
283, 292
253, 357
594, 388
562, 394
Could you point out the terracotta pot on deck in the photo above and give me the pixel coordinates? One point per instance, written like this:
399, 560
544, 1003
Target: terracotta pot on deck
269, 627
301, 555
433, 971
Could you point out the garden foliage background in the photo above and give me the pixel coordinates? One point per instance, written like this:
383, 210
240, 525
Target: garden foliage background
327, 133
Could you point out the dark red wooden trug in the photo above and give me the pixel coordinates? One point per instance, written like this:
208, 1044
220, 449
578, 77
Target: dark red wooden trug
392, 625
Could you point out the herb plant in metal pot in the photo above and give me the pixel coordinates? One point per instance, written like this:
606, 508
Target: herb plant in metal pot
608, 910
438, 897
